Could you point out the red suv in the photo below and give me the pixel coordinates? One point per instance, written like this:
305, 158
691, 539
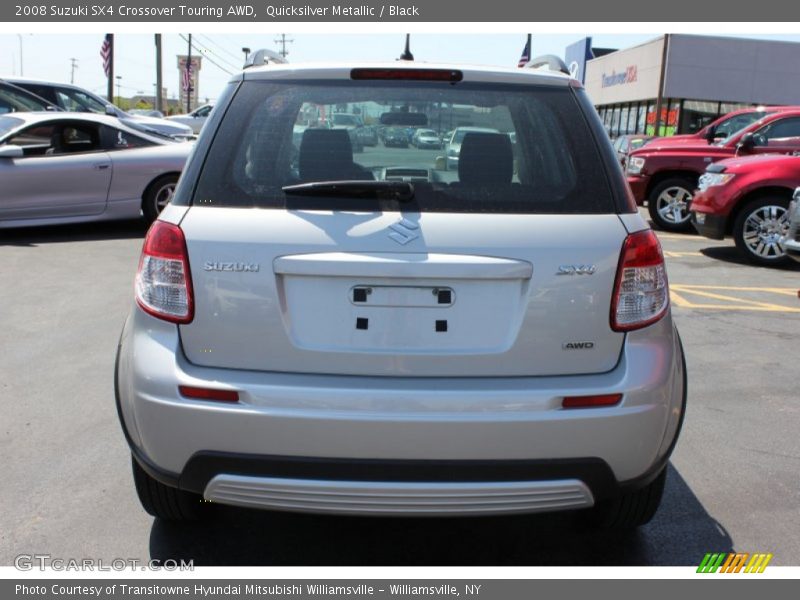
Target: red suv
666, 175
749, 198
726, 125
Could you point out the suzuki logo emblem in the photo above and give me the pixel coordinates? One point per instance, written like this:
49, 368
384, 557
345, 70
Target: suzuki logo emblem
404, 231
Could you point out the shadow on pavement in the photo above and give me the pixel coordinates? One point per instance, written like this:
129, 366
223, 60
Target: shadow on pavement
680, 534
731, 254
84, 232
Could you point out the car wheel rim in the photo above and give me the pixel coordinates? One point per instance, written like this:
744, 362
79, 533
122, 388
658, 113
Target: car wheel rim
163, 196
763, 229
673, 204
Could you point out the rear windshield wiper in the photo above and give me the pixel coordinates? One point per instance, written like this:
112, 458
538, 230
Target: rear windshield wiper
400, 191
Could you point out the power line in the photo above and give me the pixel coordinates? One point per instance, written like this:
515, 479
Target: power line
235, 57
206, 53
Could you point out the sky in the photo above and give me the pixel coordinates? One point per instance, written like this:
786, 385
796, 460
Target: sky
47, 55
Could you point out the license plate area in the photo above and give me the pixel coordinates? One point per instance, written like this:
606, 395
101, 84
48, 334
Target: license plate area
393, 316
399, 296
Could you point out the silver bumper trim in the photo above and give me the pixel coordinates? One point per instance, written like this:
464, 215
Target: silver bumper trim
399, 498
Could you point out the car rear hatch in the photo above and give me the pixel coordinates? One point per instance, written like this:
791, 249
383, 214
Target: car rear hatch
505, 267
401, 294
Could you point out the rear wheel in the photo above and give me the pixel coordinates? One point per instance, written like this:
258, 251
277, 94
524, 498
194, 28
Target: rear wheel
163, 501
158, 196
632, 509
758, 229
668, 203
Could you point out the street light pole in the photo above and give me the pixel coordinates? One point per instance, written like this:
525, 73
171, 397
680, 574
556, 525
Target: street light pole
21, 71
246, 54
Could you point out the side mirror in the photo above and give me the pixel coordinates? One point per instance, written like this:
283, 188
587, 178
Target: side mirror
111, 110
746, 143
711, 135
11, 151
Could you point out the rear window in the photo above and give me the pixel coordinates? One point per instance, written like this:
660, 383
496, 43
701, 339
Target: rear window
516, 149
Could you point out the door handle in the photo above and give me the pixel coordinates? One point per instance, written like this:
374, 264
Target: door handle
101, 166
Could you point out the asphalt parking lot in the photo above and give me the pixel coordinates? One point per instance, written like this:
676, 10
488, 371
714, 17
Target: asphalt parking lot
66, 485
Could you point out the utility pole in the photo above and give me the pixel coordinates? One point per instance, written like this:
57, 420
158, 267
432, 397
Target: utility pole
283, 41
21, 68
119, 94
74, 62
189, 78
660, 96
159, 81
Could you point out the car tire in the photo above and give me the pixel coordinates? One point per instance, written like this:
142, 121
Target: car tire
157, 196
163, 501
669, 202
632, 509
758, 227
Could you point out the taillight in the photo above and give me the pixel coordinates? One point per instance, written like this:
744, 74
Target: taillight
641, 293
163, 282
449, 75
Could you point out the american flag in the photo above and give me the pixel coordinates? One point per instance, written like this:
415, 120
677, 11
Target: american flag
105, 52
526, 53
187, 77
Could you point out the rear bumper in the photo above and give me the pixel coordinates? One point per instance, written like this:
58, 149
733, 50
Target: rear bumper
435, 439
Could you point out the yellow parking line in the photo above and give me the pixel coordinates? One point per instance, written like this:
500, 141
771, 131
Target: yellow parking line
792, 291
673, 254
705, 294
678, 300
694, 238
736, 303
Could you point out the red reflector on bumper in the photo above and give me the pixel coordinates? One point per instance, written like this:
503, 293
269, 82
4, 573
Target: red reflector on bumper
591, 401
208, 394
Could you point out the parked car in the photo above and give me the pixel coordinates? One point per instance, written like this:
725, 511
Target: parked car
196, 119
70, 97
426, 138
625, 144
64, 167
15, 99
368, 135
147, 112
791, 241
327, 340
453, 148
351, 123
395, 137
749, 198
666, 176
725, 126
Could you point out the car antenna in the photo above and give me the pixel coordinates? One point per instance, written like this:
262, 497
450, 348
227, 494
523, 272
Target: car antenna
406, 55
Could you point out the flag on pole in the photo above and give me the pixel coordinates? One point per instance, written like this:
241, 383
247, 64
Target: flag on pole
526, 53
105, 52
187, 77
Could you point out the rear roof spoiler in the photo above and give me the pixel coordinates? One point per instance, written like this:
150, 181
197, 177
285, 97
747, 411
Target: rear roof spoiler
551, 61
263, 57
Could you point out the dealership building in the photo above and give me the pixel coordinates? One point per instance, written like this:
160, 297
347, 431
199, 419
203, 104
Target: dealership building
699, 78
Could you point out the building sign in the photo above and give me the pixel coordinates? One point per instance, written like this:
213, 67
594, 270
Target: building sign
629, 75
189, 81
576, 56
